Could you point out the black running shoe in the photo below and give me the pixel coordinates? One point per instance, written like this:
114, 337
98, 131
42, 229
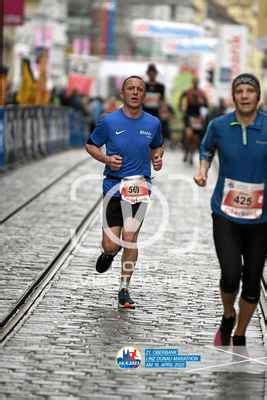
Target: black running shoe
125, 300
104, 262
239, 340
223, 334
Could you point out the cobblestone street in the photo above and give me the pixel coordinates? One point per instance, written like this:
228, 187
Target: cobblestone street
66, 347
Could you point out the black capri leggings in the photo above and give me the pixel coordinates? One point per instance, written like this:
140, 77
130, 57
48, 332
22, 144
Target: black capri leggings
241, 250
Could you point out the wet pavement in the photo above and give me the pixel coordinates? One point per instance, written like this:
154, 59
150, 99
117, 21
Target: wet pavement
32, 238
67, 347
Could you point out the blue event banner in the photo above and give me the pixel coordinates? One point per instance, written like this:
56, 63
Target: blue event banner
168, 358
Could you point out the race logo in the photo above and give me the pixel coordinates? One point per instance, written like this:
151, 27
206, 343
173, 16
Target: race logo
129, 357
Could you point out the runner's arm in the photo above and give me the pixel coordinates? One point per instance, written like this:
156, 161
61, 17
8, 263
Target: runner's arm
206, 154
157, 148
202, 173
96, 140
114, 161
180, 103
97, 153
156, 157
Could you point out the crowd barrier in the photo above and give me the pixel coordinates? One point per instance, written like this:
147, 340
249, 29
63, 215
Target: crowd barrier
31, 132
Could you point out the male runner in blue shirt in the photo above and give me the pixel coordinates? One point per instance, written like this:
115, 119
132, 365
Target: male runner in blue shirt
133, 139
239, 203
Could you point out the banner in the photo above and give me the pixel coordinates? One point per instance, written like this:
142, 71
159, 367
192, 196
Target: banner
231, 56
232, 51
165, 29
80, 83
13, 12
186, 46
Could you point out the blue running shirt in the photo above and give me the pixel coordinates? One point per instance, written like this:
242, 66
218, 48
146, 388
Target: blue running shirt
130, 138
242, 156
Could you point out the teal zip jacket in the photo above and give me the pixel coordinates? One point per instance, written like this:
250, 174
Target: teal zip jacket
240, 193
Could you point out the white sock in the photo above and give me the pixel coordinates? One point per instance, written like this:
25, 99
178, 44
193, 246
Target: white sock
124, 283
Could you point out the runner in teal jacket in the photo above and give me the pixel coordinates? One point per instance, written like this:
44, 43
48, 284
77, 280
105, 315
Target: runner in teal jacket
240, 194
239, 204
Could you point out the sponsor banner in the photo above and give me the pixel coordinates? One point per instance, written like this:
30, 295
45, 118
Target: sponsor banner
231, 56
185, 46
13, 12
232, 50
165, 29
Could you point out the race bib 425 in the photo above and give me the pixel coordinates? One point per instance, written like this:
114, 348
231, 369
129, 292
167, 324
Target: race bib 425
242, 200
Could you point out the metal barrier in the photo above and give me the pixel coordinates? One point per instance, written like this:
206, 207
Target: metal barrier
263, 298
31, 132
78, 129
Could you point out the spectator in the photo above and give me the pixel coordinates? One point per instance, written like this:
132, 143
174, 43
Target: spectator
155, 92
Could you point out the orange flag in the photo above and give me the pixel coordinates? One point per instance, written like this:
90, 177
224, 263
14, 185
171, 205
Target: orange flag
27, 92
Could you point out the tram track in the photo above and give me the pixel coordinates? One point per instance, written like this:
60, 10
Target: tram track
42, 191
20, 311
26, 302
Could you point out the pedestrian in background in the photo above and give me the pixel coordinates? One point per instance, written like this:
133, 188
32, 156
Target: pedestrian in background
193, 103
155, 91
